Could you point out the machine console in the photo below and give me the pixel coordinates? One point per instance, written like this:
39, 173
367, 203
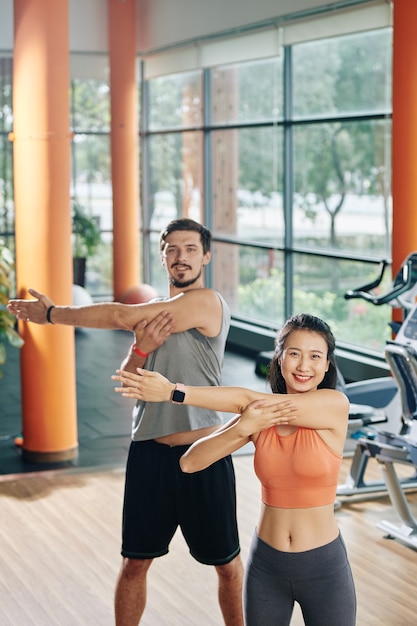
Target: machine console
407, 335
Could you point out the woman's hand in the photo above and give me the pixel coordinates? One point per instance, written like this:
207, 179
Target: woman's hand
145, 385
262, 414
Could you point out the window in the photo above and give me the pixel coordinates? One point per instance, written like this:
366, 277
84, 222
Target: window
288, 163
91, 165
6, 158
286, 158
342, 187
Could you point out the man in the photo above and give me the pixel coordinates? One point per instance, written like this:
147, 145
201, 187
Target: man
189, 332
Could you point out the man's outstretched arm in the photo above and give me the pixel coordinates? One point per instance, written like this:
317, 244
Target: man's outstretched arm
192, 309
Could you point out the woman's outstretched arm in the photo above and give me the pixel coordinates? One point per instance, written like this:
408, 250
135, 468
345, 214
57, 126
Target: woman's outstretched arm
153, 387
318, 409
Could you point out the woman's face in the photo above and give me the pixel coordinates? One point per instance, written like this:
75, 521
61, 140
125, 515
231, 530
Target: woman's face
304, 361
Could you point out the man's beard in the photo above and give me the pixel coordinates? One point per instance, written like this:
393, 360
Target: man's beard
179, 284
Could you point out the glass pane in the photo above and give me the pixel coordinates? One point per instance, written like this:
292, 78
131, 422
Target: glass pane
251, 280
91, 190
90, 105
99, 270
91, 165
248, 92
91, 177
6, 117
6, 190
157, 274
342, 187
320, 285
175, 178
175, 101
344, 75
247, 183
6, 155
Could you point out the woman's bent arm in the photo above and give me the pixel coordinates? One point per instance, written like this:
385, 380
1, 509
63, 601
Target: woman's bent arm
215, 446
236, 433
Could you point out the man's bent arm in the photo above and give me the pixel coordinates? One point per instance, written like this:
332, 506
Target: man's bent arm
147, 338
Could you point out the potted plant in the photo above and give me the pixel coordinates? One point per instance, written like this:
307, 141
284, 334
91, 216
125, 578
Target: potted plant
86, 238
8, 333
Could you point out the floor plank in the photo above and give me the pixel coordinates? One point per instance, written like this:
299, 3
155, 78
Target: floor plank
59, 557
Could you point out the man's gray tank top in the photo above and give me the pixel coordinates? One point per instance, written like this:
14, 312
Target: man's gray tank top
190, 358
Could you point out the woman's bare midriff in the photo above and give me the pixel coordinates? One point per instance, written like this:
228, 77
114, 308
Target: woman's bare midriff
297, 530
185, 438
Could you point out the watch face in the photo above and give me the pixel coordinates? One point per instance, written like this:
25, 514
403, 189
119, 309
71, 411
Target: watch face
178, 396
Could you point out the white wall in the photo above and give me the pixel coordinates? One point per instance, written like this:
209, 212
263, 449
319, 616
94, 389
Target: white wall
166, 22
162, 23
88, 25
6, 25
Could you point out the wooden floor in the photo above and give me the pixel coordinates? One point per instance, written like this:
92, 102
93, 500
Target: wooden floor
59, 555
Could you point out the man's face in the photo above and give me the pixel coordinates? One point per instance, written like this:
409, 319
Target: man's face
183, 258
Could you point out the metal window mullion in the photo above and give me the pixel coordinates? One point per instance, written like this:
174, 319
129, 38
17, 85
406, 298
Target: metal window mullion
207, 163
145, 177
288, 190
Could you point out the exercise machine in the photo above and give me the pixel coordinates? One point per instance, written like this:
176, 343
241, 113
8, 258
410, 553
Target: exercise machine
391, 449
367, 420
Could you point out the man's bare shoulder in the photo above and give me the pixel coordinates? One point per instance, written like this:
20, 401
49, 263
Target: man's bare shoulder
201, 309
201, 293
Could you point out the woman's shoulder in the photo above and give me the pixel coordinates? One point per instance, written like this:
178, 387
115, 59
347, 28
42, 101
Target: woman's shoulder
334, 394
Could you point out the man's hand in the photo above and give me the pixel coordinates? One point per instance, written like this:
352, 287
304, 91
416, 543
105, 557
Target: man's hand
148, 337
31, 310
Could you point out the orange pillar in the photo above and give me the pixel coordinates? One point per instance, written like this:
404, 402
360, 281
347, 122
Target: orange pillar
404, 132
43, 223
124, 144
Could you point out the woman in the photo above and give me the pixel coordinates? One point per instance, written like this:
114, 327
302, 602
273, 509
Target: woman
297, 553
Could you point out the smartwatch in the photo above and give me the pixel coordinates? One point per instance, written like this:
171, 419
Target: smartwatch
178, 394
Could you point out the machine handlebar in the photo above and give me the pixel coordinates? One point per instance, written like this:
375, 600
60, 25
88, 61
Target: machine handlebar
403, 282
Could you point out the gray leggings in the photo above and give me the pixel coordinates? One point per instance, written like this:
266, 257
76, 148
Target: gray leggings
320, 580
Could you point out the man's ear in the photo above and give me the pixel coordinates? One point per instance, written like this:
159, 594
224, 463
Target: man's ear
206, 258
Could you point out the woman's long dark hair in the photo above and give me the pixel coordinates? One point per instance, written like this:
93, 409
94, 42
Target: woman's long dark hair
303, 321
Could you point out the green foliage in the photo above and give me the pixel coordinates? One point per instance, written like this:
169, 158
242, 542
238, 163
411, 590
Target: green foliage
90, 105
262, 299
7, 321
354, 321
86, 232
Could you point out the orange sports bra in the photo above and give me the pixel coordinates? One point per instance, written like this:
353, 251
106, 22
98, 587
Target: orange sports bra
296, 471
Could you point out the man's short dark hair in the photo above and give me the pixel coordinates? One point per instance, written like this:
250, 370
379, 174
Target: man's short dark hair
185, 223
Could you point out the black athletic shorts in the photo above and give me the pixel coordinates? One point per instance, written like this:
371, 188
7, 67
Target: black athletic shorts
159, 497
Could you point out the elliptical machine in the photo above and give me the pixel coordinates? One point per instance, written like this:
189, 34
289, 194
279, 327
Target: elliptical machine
367, 420
389, 448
